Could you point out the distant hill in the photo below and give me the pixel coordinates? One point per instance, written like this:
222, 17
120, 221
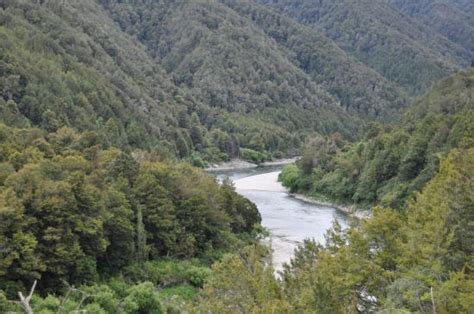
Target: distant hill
397, 46
358, 88
453, 19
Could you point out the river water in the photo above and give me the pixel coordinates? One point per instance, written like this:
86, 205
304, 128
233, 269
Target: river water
289, 220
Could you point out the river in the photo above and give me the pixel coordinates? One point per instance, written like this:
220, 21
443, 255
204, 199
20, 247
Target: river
289, 220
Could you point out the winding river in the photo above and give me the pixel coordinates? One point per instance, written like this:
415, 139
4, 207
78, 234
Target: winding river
289, 220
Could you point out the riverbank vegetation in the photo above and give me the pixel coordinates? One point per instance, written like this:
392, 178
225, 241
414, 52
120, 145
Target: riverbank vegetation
418, 260
413, 255
391, 163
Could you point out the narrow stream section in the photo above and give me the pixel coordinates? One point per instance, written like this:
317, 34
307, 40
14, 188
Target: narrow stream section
289, 220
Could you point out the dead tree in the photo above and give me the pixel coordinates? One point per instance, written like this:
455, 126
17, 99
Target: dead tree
25, 302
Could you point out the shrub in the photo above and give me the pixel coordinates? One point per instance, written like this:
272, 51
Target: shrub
289, 177
253, 156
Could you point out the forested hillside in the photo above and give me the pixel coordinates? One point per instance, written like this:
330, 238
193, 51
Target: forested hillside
357, 87
395, 45
391, 164
107, 108
452, 19
204, 80
65, 62
245, 58
226, 62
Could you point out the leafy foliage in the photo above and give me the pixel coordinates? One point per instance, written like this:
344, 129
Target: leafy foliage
393, 261
243, 283
74, 209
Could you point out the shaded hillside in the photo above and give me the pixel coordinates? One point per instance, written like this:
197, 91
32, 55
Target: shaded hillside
445, 17
58, 69
226, 61
357, 87
393, 44
68, 63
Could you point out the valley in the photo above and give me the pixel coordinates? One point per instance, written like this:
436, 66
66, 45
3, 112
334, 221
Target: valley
120, 122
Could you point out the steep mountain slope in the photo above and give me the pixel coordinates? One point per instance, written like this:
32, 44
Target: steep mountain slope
456, 23
68, 63
194, 79
228, 62
64, 68
391, 164
393, 44
357, 87
184, 35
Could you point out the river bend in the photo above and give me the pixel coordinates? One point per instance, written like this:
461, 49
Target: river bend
289, 220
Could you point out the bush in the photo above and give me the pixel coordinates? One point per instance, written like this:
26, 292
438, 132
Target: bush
197, 161
197, 275
5, 305
253, 156
146, 298
289, 177
166, 273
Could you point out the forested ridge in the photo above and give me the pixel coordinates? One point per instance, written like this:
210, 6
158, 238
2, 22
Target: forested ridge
400, 48
108, 109
450, 18
203, 80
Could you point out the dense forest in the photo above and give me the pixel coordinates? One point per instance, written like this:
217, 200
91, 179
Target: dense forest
204, 80
216, 40
65, 62
75, 211
108, 109
449, 18
390, 163
399, 47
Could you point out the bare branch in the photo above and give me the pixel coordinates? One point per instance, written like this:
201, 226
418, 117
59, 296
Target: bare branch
25, 302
